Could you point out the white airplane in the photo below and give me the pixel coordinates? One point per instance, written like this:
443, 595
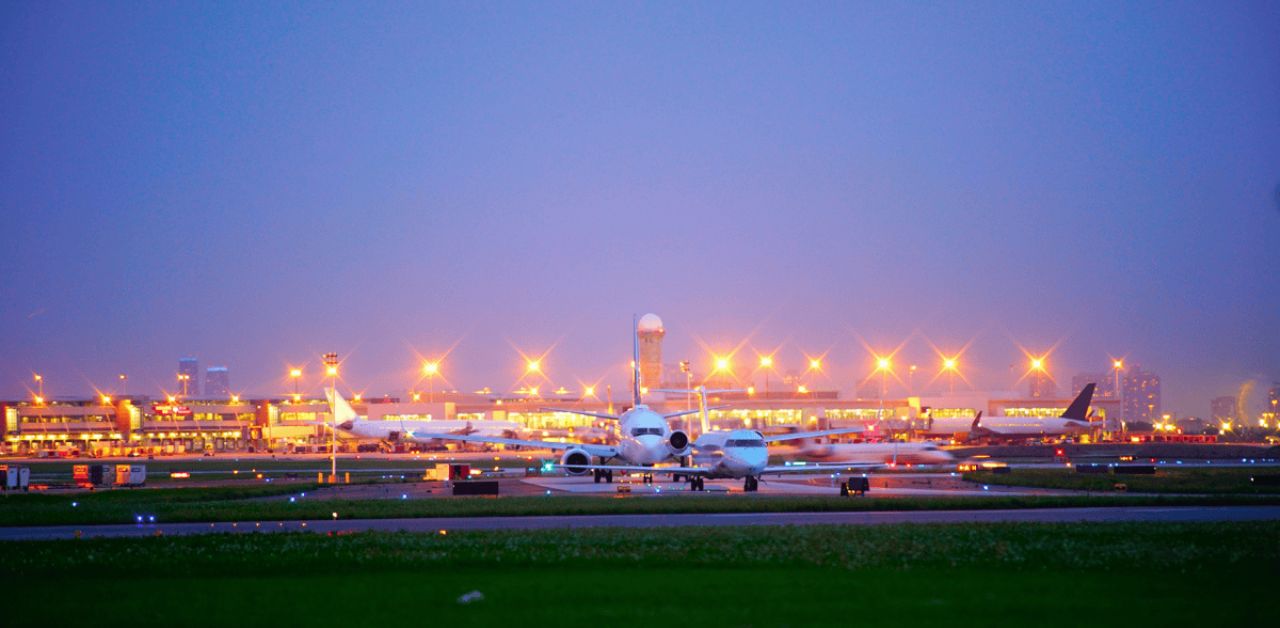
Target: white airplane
1074, 420
644, 438
880, 453
348, 422
737, 454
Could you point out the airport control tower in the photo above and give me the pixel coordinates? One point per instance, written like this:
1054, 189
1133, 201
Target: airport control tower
651, 332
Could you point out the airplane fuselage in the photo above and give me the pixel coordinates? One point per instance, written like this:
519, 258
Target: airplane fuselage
731, 454
394, 430
909, 453
643, 436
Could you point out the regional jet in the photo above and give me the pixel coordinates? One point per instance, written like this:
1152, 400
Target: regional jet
346, 421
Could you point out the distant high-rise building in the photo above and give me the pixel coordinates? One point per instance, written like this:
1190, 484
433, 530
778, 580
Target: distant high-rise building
1106, 384
189, 377
1273, 399
1222, 410
1041, 386
217, 382
1141, 395
651, 332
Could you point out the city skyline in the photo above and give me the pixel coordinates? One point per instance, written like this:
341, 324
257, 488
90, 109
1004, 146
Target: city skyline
257, 185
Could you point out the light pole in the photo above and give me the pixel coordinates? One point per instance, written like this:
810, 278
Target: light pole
882, 365
766, 363
1118, 365
431, 369
331, 369
39, 387
124, 385
911, 374
949, 365
688, 383
295, 374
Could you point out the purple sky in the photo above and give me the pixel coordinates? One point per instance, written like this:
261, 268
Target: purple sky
257, 183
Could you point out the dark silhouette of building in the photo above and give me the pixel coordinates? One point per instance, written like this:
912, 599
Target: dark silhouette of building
1141, 395
1041, 386
1222, 409
217, 383
189, 368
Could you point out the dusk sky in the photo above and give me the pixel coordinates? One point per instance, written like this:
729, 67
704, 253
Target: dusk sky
257, 183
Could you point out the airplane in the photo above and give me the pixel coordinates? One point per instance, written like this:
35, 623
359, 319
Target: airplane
645, 438
735, 454
1074, 420
346, 421
883, 453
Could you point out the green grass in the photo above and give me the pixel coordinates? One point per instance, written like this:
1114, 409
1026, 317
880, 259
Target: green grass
1199, 480
230, 467
907, 575
253, 503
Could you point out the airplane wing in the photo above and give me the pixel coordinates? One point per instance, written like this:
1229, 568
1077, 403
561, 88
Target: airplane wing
695, 411
822, 468
598, 415
799, 435
604, 451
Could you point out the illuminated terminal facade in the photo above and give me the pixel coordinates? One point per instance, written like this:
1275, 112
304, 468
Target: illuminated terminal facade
140, 425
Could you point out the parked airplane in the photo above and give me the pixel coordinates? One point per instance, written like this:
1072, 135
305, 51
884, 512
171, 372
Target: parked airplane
348, 422
737, 454
1074, 420
879, 453
645, 438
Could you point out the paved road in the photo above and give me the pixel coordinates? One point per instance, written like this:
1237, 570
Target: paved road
1055, 515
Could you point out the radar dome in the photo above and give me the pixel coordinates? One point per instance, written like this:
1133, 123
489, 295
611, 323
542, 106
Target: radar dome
649, 322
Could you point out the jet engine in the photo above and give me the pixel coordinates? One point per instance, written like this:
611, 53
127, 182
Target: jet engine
679, 443
575, 461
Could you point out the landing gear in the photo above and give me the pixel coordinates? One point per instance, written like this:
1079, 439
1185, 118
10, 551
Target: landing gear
696, 483
647, 478
602, 474
750, 485
608, 476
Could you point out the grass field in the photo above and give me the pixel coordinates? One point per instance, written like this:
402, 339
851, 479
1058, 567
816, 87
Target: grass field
1198, 480
236, 468
909, 575
252, 503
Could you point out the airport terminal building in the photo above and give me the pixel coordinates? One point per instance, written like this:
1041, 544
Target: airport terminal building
144, 426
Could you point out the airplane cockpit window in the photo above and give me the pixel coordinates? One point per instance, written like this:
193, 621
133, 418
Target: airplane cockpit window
745, 442
643, 431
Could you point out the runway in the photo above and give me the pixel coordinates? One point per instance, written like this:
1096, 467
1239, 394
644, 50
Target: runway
454, 524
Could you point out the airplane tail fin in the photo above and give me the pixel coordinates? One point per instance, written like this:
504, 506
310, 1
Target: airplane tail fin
635, 361
342, 411
976, 420
1079, 409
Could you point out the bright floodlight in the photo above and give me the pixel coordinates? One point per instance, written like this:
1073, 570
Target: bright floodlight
533, 366
1118, 364
430, 368
766, 361
883, 364
949, 364
815, 364
589, 391
722, 364
1037, 363
295, 372
332, 370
